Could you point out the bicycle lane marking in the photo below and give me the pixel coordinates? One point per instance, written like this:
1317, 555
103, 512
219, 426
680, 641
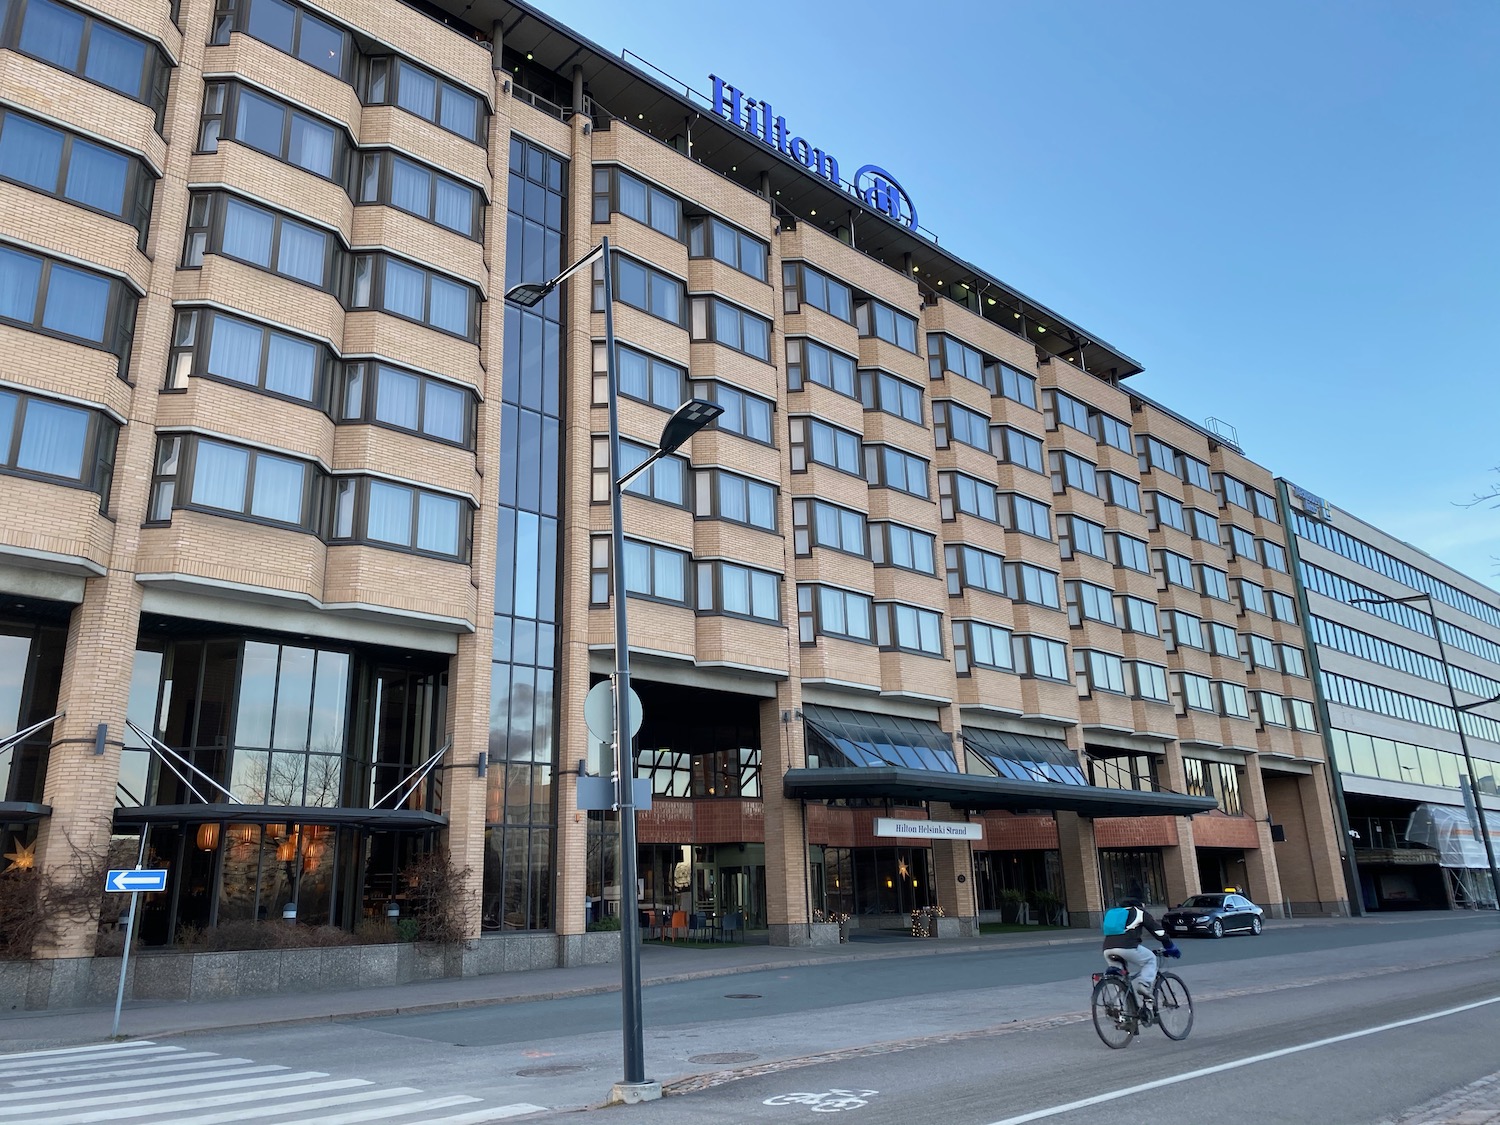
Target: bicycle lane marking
1114, 1095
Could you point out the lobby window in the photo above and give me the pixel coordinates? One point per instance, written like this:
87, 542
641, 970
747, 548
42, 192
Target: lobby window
224, 479
1302, 715
1017, 448
233, 112
616, 191
1098, 671
946, 354
1137, 615
383, 395
1241, 543
716, 320
745, 414
1183, 630
415, 293
1078, 536
803, 285
219, 223
972, 568
959, 492
56, 299
642, 287
400, 182
1231, 699
1265, 506
977, 644
953, 422
720, 494
1283, 607
1040, 658
1154, 454
1089, 602
1193, 471
874, 318
384, 514
1018, 386
642, 377
1167, 511
1019, 512
902, 547
1252, 596
1146, 681
1195, 778
288, 28
1031, 585
1175, 569
879, 390
209, 344
1273, 555
889, 467
908, 628
1233, 491
812, 362
1271, 708
827, 611
1120, 491
1065, 410
1127, 552
1205, 527
1071, 471
738, 591
709, 237
1120, 769
1195, 693
1111, 431
1222, 639
394, 81
817, 523
814, 441
666, 480
1212, 582
289, 733
85, 172
91, 48
57, 442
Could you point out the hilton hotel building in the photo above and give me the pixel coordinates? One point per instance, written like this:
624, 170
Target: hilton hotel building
305, 534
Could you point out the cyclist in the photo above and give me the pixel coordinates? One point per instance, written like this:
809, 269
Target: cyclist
1127, 946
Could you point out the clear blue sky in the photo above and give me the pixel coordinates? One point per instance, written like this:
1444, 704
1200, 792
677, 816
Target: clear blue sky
1288, 212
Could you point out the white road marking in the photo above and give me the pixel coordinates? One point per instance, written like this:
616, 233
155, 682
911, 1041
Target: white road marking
148, 1095
1189, 1076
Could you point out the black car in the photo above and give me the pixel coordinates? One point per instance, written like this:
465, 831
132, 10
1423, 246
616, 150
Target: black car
1214, 915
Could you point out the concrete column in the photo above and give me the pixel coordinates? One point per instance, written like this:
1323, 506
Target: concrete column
1263, 879
782, 747
1079, 852
1180, 861
951, 861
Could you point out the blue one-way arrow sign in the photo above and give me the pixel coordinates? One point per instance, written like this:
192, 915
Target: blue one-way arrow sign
136, 880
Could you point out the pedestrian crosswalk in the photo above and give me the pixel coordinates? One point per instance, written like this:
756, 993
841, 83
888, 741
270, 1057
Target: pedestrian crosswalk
144, 1083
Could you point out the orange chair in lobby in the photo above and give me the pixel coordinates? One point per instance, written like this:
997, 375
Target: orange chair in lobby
679, 925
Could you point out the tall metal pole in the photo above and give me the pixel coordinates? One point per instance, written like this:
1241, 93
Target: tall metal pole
632, 1030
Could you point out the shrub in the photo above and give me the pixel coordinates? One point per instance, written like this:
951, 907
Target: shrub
605, 925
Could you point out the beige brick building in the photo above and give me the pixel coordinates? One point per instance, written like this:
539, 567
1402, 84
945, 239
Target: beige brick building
304, 531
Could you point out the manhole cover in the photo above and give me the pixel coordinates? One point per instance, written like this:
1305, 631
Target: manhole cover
549, 1071
725, 1057
742, 996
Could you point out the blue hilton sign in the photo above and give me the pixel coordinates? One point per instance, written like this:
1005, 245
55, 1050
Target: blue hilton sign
871, 185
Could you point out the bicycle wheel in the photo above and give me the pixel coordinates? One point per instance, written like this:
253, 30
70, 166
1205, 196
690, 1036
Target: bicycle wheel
1174, 1006
1114, 1012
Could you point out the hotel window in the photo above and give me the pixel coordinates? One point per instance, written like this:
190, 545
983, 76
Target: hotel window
1231, 699
641, 287
1195, 692
902, 547
1233, 491
425, 296
1292, 660
1031, 585
720, 494
617, 191
1098, 671
1252, 596
214, 476
1167, 511
1040, 658
1078, 536
57, 442
1088, 602
1127, 552
289, 29
1146, 681
55, 299
908, 628
402, 183
383, 395
1119, 769
1154, 454
1273, 555
1175, 569
1222, 639
207, 343
817, 523
744, 414
814, 441
1205, 527
873, 318
1018, 386
889, 467
977, 644
1260, 652
642, 377
959, 492
1302, 714
945, 354
1212, 582
666, 480
1137, 615
232, 112
723, 323
803, 285
394, 516
1017, 448
1021, 513
219, 223
1111, 431
1283, 607
394, 81
91, 48
1065, 410
812, 362
1271, 708
92, 175
1183, 630
973, 569
1121, 491
890, 395
1195, 778
1071, 471
826, 611
1241, 543
1194, 471
1265, 506
712, 238
952, 422
656, 572
738, 591
1226, 782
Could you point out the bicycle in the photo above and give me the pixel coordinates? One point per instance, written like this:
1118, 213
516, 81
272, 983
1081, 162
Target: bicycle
1118, 1017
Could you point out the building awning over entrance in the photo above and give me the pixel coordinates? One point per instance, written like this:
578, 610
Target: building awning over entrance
838, 739
23, 812
1023, 757
370, 820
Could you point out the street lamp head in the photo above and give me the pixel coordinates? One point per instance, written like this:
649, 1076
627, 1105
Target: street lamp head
529, 294
686, 421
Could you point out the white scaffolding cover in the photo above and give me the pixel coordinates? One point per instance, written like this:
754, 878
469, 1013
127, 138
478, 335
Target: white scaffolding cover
1453, 833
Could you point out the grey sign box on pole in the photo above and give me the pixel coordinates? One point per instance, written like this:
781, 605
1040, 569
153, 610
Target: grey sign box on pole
599, 793
599, 714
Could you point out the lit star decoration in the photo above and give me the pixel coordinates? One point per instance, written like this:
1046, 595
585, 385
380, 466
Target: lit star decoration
23, 858
901, 868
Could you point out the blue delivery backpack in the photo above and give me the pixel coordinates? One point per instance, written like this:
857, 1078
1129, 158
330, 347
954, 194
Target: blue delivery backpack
1119, 919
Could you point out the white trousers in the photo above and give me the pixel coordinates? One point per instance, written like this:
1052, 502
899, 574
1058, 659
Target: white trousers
1140, 962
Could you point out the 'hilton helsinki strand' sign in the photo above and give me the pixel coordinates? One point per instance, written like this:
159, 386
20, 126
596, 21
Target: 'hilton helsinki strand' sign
872, 186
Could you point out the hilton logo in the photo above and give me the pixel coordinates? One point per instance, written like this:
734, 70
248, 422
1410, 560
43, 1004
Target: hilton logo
872, 186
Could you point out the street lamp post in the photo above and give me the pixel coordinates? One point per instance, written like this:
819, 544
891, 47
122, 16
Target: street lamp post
1458, 721
687, 420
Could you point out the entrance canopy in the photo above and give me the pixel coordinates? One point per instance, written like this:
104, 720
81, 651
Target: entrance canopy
370, 820
23, 812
